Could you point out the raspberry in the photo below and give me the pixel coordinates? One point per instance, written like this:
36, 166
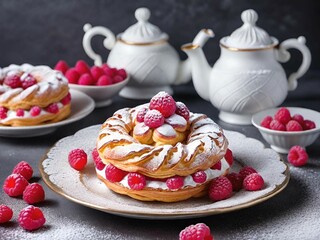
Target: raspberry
82, 67
175, 183
62, 66
77, 159
117, 79
86, 79
104, 81
266, 122
97, 160
53, 108
236, 181
182, 110
299, 118
217, 166
111, 72
136, 181
3, 112
72, 75
67, 99
33, 193
164, 103
253, 182
293, 126
31, 218
199, 177
140, 114
28, 81
276, 125
114, 174
20, 112
153, 119
297, 156
245, 171
35, 111
229, 157
122, 73
200, 231
13, 81
220, 189
308, 124
6, 213
96, 73
23, 168
283, 115
14, 185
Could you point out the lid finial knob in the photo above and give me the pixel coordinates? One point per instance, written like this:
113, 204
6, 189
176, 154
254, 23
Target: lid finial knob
249, 16
142, 14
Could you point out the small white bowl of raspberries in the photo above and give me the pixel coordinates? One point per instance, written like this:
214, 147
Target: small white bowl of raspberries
286, 127
101, 83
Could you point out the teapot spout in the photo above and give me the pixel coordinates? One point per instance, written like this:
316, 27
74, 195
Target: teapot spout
199, 65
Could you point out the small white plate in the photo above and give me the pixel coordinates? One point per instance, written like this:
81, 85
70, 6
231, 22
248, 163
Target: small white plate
86, 189
81, 106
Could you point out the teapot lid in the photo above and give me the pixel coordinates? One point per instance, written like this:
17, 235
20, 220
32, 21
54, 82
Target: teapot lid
249, 36
143, 31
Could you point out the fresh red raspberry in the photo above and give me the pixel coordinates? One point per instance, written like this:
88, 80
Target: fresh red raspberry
229, 157
220, 189
35, 111
6, 213
299, 118
200, 231
217, 166
31, 218
104, 81
62, 66
3, 112
82, 67
114, 174
245, 171
77, 159
72, 75
13, 81
153, 119
136, 181
175, 183
53, 108
96, 72
283, 115
28, 81
297, 156
308, 124
266, 122
14, 185
23, 168
116, 79
111, 72
140, 114
199, 177
86, 79
97, 160
276, 125
67, 99
253, 182
293, 126
122, 73
20, 112
182, 110
33, 193
164, 103
236, 181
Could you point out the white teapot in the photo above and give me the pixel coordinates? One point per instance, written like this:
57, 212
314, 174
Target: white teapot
247, 77
144, 52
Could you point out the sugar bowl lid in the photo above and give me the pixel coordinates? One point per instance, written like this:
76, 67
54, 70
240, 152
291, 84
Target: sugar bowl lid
249, 36
143, 31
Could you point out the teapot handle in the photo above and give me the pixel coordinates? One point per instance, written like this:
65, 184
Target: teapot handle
108, 42
283, 56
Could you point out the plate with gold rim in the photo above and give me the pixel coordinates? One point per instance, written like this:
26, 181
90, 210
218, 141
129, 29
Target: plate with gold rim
86, 189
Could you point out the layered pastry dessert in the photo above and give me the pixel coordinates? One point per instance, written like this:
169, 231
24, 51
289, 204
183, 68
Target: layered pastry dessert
32, 95
160, 151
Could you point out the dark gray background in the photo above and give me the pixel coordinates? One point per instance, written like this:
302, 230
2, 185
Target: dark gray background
43, 32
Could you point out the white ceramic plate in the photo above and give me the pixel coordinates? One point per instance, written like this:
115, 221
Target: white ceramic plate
85, 188
81, 106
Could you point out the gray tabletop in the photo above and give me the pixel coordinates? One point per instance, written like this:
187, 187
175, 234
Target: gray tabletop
292, 214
